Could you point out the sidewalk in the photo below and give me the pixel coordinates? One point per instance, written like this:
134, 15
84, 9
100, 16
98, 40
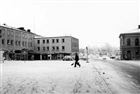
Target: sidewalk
52, 77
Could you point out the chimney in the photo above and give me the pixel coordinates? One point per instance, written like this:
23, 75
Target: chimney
138, 26
4, 24
21, 28
28, 30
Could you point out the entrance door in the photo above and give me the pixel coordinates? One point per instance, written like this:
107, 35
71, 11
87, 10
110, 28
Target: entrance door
129, 55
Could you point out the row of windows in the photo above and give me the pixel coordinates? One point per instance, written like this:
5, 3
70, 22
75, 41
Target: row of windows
53, 48
17, 43
136, 42
47, 41
17, 34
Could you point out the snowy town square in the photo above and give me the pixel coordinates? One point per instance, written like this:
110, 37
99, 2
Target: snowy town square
59, 77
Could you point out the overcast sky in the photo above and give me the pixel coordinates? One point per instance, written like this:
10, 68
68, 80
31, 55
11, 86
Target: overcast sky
93, 22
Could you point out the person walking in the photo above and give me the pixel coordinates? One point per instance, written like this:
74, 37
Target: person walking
76, 60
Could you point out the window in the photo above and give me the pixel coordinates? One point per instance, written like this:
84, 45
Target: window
63, 40
3, 31
38, 48
19, 43
47, 41
12, 33
16, 43
38, 41
63, 47
57, 40
11, 42
43, 41
128, 42
0, 33
53, 48
137, 52
57, 48
3, 41
8, 32
8, 42
23, 43
23, 36
48, 48
28, 44
136, 42
52, 40
44, 48
31, 44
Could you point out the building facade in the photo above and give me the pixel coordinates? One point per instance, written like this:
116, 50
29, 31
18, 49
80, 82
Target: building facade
130, 45
53, 48
17, 43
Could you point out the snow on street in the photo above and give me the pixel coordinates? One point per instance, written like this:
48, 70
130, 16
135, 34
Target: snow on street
59, 77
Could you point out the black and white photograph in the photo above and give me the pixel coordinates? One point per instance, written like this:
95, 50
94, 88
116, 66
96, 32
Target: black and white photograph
69, 46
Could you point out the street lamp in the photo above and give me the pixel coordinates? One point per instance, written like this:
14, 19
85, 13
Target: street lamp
87, 55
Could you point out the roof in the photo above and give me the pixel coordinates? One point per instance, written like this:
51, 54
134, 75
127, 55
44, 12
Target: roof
132, 32
55, 37
6, 26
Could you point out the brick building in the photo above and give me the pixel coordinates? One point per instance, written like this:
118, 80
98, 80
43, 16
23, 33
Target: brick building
130, 45
55, 47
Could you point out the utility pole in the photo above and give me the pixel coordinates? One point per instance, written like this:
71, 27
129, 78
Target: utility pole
87, 55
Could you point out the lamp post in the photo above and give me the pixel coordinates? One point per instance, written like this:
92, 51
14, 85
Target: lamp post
87, 55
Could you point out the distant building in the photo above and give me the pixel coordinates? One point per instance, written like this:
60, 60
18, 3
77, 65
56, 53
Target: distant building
130, 45
17, 43
55, 47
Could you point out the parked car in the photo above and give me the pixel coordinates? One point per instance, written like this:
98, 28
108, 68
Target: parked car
67, 58
83, 58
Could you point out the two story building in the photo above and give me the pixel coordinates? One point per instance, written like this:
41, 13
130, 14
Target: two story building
55, 47
130, 45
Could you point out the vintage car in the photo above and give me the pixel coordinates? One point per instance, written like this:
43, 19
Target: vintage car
67, 58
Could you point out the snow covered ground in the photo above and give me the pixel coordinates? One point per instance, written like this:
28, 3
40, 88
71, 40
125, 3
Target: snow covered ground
59, 77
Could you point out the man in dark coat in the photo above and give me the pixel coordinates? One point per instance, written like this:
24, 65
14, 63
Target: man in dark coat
76, 60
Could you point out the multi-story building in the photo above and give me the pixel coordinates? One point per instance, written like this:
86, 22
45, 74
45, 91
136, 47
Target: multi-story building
55, 47
130, 45
17, 43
